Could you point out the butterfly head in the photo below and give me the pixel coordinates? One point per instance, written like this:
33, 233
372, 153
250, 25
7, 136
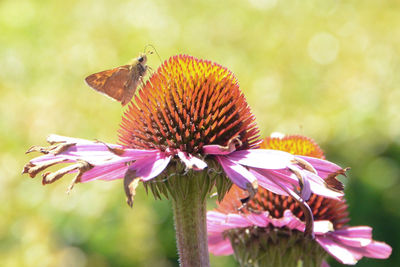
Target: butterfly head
142, 59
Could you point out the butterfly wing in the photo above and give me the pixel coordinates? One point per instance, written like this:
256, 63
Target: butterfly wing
132, 83
111, 82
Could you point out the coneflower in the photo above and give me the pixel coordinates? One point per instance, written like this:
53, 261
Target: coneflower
187, 130
268, 229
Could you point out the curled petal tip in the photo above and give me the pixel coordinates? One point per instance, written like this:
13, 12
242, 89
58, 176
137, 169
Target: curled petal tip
53, 149
223, 150
115, 150
31, 149
303, 163
131, 182
333, 183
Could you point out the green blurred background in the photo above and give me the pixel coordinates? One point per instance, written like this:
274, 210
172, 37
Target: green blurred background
326, 69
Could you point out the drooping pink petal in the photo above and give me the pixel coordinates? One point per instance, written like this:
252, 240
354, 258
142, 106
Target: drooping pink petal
288, 179
324, 264
237, 173
264, 182
319, 187
149, 167
377, 250
260, 220
350, 244
288, 220
107, 171
218, 245
323, 167
356, 231
339, 252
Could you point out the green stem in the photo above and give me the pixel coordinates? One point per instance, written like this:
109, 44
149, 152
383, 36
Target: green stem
190, 223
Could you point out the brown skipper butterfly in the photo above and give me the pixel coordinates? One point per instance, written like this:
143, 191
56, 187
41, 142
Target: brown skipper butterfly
120, 83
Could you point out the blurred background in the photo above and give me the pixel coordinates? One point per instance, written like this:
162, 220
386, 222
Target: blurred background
326, 69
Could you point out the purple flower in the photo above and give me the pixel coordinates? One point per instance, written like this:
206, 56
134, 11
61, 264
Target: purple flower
189, 116
347, 245
269, 220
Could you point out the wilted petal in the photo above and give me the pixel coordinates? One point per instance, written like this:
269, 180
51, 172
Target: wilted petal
106, 161
131, 182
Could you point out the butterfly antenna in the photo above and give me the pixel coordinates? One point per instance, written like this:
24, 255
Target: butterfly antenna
151, 52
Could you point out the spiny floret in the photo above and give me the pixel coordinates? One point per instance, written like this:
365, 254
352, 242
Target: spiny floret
188, 103
294, 144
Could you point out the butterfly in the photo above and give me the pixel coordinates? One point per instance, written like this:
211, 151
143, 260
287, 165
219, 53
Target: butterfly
121, 82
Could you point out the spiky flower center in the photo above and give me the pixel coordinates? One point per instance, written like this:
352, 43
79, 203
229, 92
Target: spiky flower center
186, 104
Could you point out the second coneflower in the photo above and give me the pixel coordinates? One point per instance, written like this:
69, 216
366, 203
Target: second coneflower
189, 129
268, 230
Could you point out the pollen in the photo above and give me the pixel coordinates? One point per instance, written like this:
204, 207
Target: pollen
186, 104
294, 144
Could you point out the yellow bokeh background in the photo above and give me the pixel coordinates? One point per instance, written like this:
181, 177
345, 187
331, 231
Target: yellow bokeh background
326, 69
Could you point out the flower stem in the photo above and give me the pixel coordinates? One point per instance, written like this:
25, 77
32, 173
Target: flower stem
190, 222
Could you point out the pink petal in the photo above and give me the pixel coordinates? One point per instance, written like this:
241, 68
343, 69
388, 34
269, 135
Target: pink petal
305, 192
237, 173
285, 177
318, 186
54, 138
288, 220
378, 250
218, 245
323, 167
339, 252
324, 264
266, 183
262, 158
260, 220
218, 150
351, 244
149, 167
106, 171
356, 231
237, 221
